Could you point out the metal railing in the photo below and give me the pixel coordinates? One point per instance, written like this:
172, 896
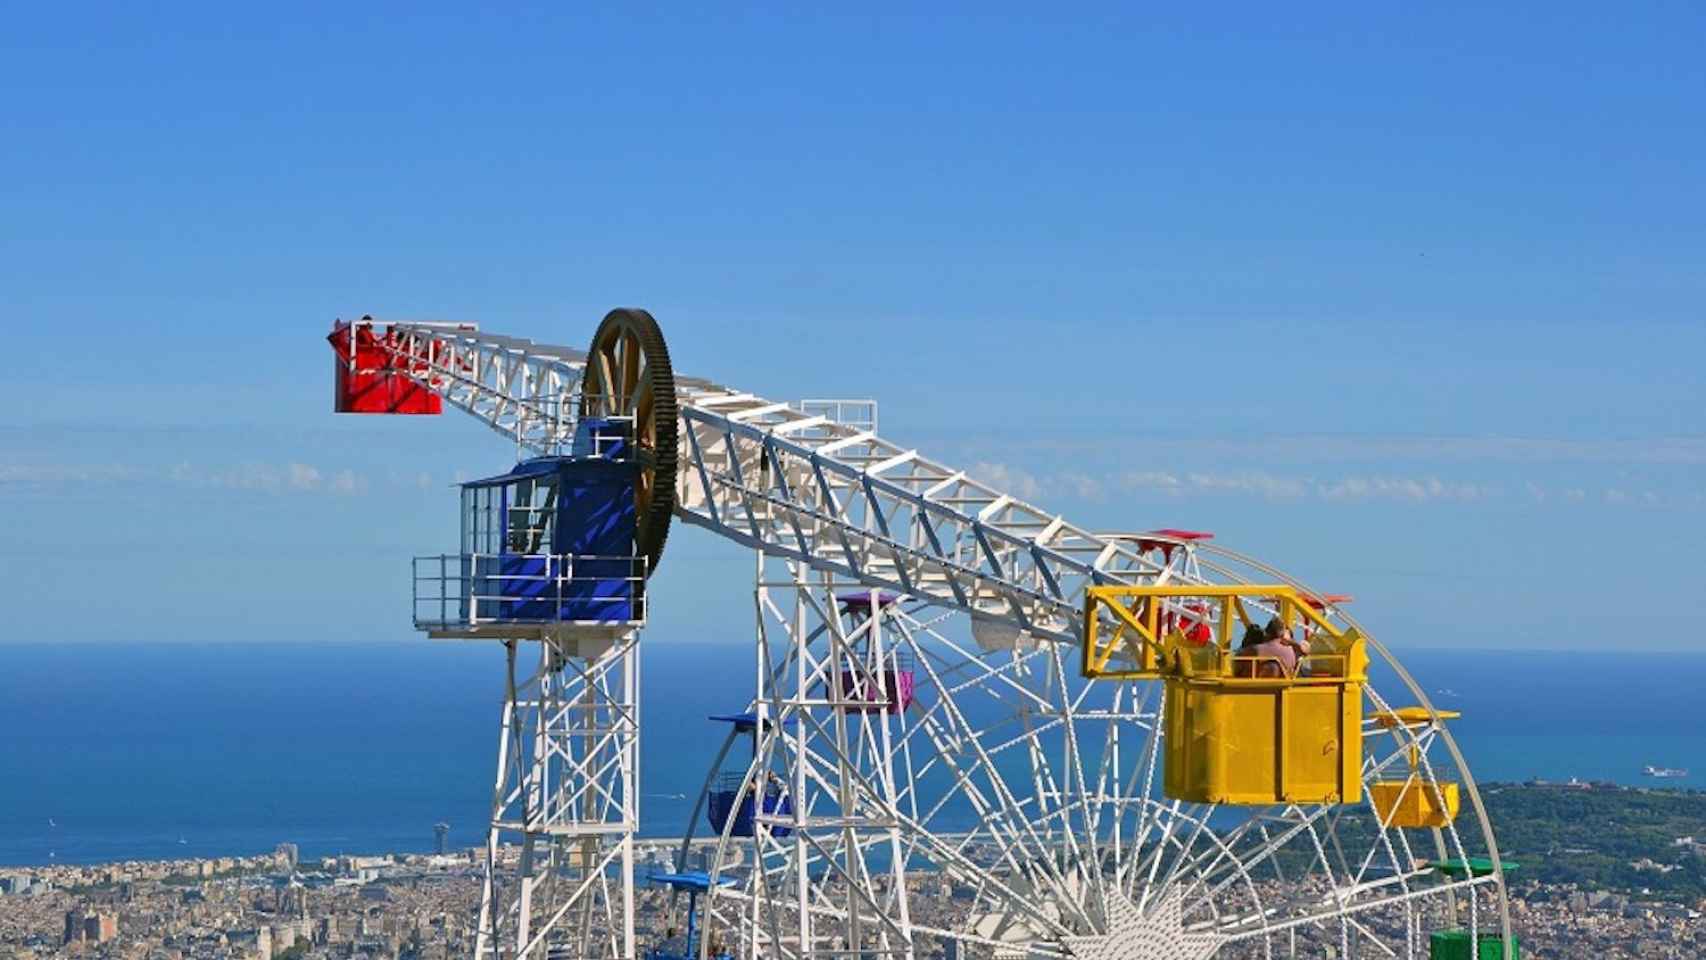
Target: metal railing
469, 590
1132, 624
858, 414
612, 437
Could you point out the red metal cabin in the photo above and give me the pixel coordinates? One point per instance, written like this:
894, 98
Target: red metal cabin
368, 378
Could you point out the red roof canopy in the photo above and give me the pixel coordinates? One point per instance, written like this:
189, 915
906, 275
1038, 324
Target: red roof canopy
1173, 538
1173, 534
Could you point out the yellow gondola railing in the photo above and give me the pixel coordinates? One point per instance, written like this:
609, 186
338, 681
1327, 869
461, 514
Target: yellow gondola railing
1239, 728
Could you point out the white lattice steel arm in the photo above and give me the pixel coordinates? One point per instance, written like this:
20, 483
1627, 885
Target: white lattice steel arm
519, 388
772, 477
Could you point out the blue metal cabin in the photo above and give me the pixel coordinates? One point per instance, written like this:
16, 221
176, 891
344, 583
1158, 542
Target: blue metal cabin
552, 540
687, 947
721, 805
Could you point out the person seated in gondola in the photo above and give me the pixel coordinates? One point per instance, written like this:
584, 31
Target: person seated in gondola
1284, 647
1277, 653
1244, 664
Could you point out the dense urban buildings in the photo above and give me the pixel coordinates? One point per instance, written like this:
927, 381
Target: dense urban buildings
424, 907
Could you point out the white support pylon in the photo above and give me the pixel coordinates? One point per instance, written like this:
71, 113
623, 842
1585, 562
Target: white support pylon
828, 873
566, 794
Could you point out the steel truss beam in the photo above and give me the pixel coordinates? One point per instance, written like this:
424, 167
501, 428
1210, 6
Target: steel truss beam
797, 484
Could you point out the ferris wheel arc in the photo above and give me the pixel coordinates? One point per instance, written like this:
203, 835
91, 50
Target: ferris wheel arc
835, 499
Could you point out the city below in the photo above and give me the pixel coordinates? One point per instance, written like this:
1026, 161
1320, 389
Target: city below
1584, 891
267, 906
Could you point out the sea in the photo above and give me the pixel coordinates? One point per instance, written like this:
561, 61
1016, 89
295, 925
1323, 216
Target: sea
116, 751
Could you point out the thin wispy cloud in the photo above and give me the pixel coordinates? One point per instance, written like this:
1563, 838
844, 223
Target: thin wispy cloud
1081, 485
1269, 486
298, 478
1347, 489
302, 476
1312, 448
1412, 489
37, 474
291, 477
1254, 483
1008, 479
1462, 449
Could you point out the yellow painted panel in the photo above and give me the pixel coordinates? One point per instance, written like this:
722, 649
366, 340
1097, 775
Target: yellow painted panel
1255, 742
1412, 803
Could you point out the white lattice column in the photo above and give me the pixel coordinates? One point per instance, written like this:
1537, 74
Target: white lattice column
560, 852
830, 875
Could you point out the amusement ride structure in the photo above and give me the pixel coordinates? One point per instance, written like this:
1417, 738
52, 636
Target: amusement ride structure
975, 729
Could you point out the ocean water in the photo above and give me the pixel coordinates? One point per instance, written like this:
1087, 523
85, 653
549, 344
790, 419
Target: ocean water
113, 751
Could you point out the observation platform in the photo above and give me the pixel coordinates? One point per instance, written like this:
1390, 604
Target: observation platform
548, 549
527, 596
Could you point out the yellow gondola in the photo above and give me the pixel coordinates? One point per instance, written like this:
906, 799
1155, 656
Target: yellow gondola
1415, 801
1239, 731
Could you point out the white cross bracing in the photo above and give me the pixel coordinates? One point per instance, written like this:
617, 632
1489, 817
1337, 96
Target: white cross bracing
803, 486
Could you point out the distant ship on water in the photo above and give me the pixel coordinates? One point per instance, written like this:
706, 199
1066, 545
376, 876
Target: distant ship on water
1663, 773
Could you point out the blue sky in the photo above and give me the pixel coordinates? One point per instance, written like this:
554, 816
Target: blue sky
1406, 301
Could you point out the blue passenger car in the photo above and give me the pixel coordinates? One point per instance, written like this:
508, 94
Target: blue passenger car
720, 805
552, 540
685, 946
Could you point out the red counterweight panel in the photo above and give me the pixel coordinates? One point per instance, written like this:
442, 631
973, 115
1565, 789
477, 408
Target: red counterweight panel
374, 385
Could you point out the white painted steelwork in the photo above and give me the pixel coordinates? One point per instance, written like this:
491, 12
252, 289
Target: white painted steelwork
1072, 851
567, 796
1013, 809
